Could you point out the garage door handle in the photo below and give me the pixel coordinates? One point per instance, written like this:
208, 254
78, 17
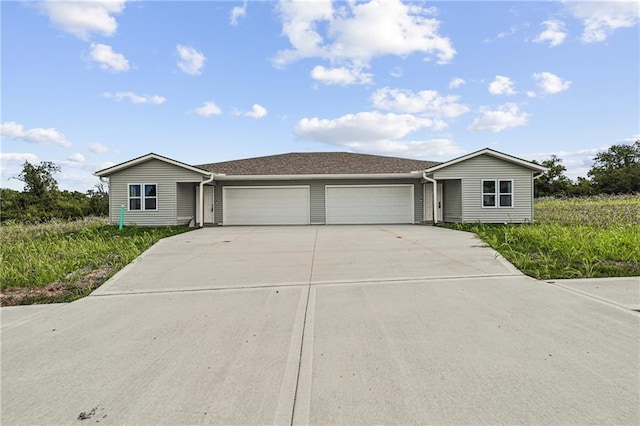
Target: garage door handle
439, 204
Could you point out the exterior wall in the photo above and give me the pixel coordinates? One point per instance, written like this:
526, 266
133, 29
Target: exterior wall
317, 194
473, 171
165, 175
452, 200
186, 202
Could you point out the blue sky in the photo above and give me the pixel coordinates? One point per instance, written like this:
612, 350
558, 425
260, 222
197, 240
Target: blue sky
93, 83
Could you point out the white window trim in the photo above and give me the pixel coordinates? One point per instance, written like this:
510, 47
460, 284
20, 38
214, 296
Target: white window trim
497, 194
141, 197
512, 193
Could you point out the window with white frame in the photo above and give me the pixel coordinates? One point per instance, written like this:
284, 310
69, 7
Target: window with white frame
497, 193
143, 196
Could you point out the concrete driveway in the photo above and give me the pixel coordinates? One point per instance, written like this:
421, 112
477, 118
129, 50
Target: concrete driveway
322, 325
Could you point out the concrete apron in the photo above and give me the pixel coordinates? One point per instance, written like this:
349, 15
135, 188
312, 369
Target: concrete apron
494, 349
243, 257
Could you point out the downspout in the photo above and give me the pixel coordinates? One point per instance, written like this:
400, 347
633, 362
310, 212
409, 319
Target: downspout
107, 182
201, 201
435, 195
533, 195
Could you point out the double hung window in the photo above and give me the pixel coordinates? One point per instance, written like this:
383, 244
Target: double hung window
497, 193
143, 196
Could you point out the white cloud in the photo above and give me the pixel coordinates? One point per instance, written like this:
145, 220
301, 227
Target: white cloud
550, 83
107, 58
456, 82
83, 18
497, 120
427, 102
502, 86
77, 158
135, 98
99, 148
346, 35
236, 13
396, 72
409, 149
257, 111
554, 33
374, 132
191, 61
208, 109
18, 157
602, 18
512, 30
360, 127
531, 94
340, 75
13, 130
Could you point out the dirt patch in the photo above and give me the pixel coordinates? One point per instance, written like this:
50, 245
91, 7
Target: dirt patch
80, 282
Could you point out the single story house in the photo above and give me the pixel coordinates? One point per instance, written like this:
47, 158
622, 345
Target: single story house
322, 188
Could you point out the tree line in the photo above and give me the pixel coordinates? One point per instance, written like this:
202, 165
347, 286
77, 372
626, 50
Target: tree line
41, 200
615, 171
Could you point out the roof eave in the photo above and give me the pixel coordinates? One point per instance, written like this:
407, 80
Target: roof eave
493, 153
142, 159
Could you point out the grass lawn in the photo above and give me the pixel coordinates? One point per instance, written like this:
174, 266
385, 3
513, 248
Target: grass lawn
572, 238
63, 261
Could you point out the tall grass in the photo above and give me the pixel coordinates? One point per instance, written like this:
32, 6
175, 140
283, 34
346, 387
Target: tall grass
599, 210
37, 255
572, 238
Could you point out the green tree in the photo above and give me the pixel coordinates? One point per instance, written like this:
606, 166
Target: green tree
553, 183
38, 180
617, 171
583, 187
40, 190
42, 200
98, 200
12, 204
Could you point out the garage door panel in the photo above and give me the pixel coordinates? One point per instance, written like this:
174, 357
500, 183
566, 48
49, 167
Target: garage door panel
370, 204
266, 205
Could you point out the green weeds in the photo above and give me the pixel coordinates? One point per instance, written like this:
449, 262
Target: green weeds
62, 261
576, 238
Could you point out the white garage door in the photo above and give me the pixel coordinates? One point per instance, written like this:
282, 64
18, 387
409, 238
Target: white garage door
265, 205
369, 204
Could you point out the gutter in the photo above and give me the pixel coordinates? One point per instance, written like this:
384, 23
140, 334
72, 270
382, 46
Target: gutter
201, 201
435, 195
410, 175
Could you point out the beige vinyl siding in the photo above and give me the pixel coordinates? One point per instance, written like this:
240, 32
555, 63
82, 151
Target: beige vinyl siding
317, 193
473, 171
186, 198
165, 175
452, 200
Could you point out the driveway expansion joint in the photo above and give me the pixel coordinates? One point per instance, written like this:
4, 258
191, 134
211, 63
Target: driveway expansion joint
624, 308
313, 284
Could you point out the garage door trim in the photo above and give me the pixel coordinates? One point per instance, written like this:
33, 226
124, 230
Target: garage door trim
232, 187
398, 185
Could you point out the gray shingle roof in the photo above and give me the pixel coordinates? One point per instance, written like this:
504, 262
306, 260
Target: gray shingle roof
318, 163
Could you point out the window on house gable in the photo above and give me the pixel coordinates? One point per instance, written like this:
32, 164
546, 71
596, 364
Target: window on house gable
143, 196
497, 193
